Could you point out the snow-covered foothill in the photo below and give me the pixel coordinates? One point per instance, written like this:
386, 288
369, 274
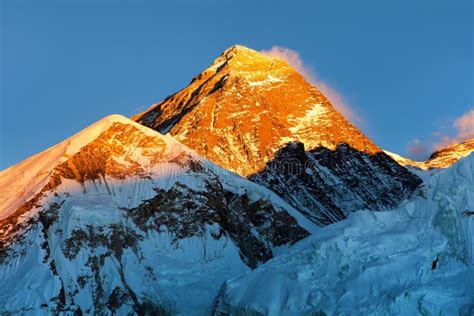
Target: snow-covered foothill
120, 219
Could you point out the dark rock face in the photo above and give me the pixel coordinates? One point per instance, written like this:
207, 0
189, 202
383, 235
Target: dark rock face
254, 226
326, 185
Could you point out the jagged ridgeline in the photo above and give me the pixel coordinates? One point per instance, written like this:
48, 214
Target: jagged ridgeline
255, 115
440, 159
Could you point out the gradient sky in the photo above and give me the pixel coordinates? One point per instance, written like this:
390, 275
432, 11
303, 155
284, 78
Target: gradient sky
405, 68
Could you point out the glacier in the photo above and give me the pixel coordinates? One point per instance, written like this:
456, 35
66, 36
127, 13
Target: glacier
415, 260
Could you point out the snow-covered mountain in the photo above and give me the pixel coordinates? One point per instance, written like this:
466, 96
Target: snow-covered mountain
416, 260
440, 159
122, 220
119, 219
255, 115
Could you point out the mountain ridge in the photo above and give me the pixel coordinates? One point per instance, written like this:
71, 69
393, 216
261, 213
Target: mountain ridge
54, 155
439, 159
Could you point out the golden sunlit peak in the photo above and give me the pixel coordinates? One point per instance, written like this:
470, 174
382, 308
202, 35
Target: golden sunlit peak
239, 49
243, 54
245, 60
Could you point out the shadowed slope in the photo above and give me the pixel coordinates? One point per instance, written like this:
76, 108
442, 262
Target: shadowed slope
326, 185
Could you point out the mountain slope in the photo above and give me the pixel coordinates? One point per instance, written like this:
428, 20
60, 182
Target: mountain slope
440, 159
336, 182
445, 157
418, 259
248, 110
120, 219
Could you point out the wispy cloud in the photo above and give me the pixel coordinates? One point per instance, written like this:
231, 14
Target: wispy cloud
293, 58
462, 130
418, 150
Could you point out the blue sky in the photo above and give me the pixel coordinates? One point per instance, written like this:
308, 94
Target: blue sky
406, 68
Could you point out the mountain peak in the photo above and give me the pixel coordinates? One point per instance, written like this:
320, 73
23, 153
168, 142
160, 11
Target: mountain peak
440, 159
253, 104
246, 62
114, 145
239, 49
445, 157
